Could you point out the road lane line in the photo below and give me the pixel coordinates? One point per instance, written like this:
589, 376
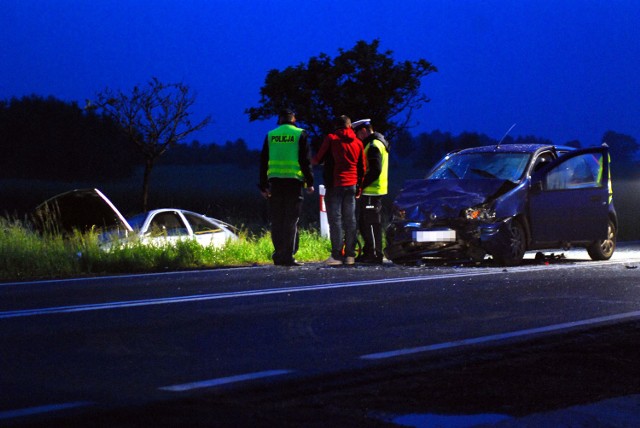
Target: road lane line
224, 380
124, 276
500, 337
30, 411
230, 295
271, 291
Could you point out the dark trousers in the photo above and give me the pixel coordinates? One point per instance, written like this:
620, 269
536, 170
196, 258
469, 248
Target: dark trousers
285, 207
370, 225
341, 213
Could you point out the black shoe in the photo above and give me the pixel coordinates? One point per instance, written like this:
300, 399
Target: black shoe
369, 260
289, 263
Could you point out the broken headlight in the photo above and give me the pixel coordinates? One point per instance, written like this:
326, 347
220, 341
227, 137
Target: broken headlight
480, 213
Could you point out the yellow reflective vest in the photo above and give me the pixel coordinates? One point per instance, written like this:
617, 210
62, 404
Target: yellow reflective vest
380, 186
283, 152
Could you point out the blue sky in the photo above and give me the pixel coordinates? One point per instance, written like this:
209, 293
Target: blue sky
561, 70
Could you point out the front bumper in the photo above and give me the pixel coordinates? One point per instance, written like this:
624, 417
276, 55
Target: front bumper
406, 240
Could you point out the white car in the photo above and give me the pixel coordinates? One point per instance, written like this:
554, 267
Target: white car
170, 225
85, 209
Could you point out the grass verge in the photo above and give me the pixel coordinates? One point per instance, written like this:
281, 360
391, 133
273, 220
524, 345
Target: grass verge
25, 254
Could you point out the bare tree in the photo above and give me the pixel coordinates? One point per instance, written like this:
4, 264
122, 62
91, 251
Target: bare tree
154, 118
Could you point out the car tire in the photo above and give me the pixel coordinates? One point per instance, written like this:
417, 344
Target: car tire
516, 245
604, 248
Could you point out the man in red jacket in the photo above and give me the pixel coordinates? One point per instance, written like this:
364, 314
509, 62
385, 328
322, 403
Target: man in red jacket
345, 151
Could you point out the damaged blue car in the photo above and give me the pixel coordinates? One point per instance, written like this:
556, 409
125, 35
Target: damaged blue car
504, 200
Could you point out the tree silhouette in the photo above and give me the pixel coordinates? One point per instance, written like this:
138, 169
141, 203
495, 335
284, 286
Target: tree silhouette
624, 151
154, 118
51, 139
361, 82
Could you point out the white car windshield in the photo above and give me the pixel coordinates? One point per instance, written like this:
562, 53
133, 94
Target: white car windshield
502, 166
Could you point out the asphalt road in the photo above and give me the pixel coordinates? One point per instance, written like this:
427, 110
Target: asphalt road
319, 346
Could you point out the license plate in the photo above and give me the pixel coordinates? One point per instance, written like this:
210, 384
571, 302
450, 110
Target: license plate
443, 235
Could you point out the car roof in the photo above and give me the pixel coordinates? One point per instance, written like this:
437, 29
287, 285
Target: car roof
511, 148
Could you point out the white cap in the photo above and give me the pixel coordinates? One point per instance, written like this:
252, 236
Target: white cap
361, 122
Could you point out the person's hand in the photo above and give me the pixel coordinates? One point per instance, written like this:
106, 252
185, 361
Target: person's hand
310, 190
265, 193
358, 192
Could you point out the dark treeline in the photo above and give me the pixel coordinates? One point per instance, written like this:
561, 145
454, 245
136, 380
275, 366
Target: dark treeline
212, 154
50, 139
45, 138
426, 149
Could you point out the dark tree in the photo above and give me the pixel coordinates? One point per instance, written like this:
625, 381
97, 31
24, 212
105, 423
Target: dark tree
404, 145
624, 153
361, 82
50, 139
154, 118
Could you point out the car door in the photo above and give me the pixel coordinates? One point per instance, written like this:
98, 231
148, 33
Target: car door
205, 232
569, 199
165, 227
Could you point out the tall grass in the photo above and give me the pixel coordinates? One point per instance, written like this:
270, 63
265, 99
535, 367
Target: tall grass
25, 254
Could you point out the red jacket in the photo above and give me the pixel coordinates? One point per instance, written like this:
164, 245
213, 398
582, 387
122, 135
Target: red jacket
348, 157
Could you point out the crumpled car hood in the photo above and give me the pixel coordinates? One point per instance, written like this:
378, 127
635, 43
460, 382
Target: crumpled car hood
430, 199
80, 209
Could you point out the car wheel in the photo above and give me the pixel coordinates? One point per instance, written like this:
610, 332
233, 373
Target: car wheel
604, 248
516, 245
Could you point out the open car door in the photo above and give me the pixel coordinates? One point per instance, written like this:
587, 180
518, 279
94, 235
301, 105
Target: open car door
569, 199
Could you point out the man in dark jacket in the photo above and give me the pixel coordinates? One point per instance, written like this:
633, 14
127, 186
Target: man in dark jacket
285, 170
347, 153
374, 187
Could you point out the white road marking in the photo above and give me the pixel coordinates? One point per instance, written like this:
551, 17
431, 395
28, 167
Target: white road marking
224, 380
29, 411
500, 337
273, 291
127, 276
230, 295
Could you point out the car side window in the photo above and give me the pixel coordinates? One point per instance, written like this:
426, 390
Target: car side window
583, 171
168, 224
200, 225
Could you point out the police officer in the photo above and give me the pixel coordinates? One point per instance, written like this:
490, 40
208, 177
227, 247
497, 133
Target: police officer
374, 187
285, 170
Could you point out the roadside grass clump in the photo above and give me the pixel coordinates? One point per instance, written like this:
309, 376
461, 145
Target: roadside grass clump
313, 247
26, 254
257, 249
249, 249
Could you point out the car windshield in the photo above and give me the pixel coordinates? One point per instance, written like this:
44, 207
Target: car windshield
503, 166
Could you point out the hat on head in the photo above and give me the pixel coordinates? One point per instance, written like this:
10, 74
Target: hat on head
358, 124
